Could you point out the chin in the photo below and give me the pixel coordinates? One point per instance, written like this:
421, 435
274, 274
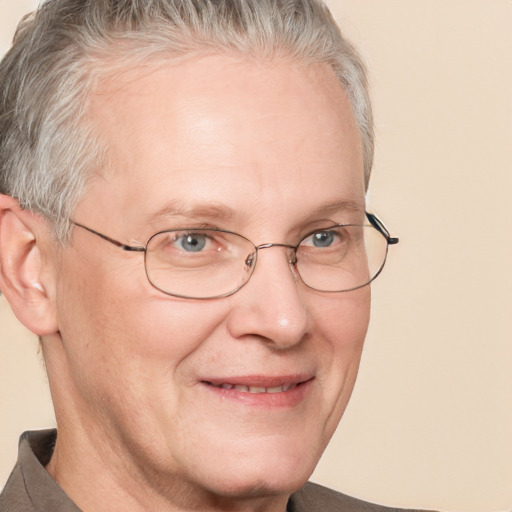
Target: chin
259, 487
271, 472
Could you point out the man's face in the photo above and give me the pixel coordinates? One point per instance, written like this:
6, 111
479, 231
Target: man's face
261, 149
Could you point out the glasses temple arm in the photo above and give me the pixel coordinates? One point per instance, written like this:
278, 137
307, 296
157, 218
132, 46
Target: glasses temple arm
111, 240
379, 226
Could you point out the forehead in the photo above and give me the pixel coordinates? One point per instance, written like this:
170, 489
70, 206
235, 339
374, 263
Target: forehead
245, 133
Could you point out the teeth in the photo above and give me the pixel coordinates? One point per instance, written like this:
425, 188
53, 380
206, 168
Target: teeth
257, 389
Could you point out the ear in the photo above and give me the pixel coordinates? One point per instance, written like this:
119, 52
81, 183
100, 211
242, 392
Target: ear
28, 288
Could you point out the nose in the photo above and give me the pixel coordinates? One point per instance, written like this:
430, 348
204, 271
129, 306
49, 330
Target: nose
272, 305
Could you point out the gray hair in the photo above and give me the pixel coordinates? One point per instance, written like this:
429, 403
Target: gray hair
48, 150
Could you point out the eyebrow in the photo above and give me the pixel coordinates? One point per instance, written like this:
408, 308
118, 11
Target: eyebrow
222, 212
177, 208
338, 206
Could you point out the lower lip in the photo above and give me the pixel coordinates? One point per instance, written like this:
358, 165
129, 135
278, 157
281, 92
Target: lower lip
283, 399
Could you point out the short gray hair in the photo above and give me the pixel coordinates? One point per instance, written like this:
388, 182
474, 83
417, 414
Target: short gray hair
48, 150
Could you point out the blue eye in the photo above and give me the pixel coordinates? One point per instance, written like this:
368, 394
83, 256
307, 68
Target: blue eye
192, 242
323, 238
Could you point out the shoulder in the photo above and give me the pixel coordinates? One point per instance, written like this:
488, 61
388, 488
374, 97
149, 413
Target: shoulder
313, 497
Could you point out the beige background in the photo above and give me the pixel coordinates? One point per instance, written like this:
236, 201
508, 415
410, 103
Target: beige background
430, 423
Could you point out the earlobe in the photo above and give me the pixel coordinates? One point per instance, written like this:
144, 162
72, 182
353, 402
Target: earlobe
21, 268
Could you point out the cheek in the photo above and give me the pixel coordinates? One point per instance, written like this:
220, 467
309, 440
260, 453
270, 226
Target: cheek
343, 324
129, 349
343, 319
170, 331
117, 330
108, 297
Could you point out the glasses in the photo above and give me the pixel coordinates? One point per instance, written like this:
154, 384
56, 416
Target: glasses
212, 263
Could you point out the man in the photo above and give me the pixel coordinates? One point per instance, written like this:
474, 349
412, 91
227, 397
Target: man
182, 223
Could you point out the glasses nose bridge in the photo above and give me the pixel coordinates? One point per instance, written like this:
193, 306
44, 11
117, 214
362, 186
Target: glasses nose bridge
292, 250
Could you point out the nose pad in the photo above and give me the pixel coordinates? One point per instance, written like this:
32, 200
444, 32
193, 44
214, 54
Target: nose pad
250, 260
292, 257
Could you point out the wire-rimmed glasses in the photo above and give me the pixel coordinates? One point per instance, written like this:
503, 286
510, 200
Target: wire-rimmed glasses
211, 263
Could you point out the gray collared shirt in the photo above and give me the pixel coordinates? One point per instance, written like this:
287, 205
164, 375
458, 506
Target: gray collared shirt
30, 487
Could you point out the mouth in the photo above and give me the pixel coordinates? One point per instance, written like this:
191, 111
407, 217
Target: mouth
263, 391
255, 389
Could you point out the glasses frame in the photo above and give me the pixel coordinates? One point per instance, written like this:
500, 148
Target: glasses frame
374, 221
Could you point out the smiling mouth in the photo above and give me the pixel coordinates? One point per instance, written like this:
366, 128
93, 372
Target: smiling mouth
269, 392
254, 389
259, 385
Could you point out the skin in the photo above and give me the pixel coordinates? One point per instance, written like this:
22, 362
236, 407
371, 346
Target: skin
252, 147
